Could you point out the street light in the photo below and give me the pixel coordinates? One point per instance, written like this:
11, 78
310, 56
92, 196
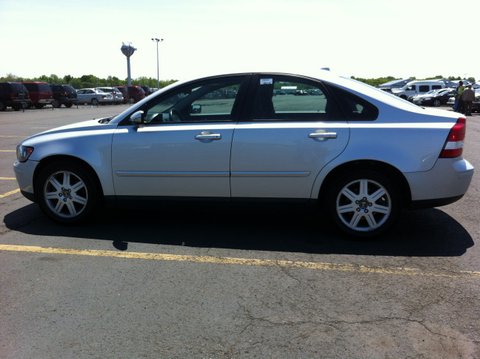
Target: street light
157, 40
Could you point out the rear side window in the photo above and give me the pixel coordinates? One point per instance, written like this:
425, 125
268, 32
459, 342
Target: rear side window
44, 88
288, 98
352, 106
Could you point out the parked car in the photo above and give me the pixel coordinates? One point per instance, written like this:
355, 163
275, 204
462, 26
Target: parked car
147, 90
356, 151
434, 98
388, 86
93, 96
418, 87
117, 96
131, 93
40, 93
64, 95
14, 95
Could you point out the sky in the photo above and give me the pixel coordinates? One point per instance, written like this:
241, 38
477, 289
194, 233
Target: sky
361, 38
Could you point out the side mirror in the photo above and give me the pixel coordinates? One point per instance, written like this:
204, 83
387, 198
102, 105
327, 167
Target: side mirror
137, 117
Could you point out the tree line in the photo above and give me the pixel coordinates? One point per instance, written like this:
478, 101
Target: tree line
94, 81
87, 81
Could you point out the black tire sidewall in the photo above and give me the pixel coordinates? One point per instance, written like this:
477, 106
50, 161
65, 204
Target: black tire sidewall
341, 181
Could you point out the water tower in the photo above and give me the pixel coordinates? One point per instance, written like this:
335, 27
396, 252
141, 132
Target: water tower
128, 50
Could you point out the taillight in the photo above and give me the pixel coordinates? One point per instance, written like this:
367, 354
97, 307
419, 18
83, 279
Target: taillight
454, 145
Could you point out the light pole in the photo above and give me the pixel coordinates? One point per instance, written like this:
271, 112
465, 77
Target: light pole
157, 40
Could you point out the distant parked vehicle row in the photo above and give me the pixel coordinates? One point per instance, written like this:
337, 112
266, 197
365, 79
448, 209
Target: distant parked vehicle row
18, 95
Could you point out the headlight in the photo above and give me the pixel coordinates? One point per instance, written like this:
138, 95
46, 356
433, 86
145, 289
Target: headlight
24, 152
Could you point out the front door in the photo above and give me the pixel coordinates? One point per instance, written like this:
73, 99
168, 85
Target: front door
182, 147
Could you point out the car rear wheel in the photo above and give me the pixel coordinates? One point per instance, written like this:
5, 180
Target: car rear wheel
94, 102
56, 104
363, 203
66, 192
437, 103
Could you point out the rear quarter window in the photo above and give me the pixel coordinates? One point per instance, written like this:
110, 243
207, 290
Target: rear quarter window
353, 107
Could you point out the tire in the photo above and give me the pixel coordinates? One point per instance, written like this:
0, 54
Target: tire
3, 107
56, 104
94, 102
38, 106
437, 103
363, 203
68, 104
66, 192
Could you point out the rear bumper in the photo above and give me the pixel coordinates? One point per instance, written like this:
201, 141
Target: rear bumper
445, 183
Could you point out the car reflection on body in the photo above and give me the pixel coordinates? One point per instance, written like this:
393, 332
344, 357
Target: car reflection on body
358, 152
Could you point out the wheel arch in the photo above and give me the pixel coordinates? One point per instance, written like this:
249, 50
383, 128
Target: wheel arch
393, 173
72, 159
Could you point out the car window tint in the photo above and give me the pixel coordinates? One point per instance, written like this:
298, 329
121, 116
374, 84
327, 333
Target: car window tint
353, 106
200, 102
289, 98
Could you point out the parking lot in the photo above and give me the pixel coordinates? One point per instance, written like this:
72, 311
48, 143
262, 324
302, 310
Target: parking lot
220, 282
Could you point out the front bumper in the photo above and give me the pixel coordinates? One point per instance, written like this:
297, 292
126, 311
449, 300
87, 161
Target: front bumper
24, 172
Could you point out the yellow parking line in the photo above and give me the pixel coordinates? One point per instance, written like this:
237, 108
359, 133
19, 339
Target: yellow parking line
3, 195
7, 178
320, 266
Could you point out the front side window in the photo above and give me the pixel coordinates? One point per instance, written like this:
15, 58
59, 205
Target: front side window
289, 98
207, 101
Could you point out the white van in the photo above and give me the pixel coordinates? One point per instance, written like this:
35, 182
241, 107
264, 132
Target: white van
418, 87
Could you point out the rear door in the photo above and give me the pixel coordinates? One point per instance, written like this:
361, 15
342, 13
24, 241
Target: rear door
293, 133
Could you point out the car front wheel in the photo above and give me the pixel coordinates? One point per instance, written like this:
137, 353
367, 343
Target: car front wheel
364, 204
67, 192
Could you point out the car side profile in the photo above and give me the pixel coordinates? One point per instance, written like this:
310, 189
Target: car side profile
63, 95
40, 93
360, 153
93, 96
14, 95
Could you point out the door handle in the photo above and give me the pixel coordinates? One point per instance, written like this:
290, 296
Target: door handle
208, 136
323, 135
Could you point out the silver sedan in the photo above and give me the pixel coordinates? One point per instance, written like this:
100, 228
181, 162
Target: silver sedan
93, 96
360, 153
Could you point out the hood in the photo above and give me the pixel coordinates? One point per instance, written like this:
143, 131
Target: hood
73, 130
